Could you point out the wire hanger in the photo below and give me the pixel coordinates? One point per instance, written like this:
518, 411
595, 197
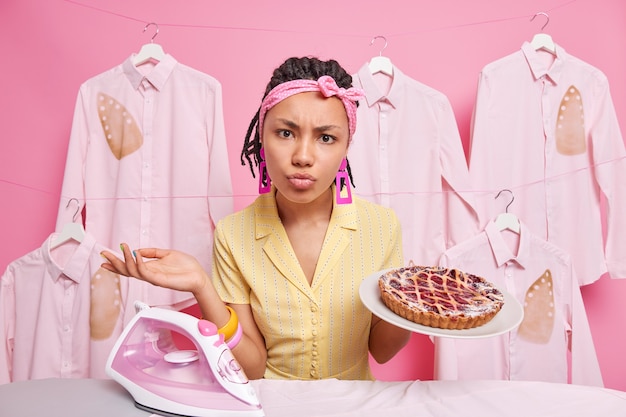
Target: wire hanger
149, 51
381, 63
543, 40
71, 231
507, 220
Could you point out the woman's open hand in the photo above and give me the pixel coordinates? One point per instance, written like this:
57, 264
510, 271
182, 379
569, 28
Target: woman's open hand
165, 268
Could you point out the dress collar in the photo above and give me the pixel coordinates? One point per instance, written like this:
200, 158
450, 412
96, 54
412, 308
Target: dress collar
268, 221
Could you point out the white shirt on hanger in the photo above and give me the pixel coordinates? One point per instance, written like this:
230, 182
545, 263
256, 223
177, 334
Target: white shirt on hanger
148, 158
545, 128
407, 154
541, 277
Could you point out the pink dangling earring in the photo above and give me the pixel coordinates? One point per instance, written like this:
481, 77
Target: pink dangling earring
264, 175
343, 175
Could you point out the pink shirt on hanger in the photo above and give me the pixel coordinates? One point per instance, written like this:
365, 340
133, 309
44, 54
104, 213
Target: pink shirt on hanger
407, 154
46, 306
548, 132
541, 277
148, 158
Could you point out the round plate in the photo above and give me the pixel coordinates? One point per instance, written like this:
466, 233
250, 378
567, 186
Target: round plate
508, 318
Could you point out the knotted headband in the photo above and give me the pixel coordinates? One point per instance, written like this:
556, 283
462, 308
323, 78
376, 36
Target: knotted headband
325, 85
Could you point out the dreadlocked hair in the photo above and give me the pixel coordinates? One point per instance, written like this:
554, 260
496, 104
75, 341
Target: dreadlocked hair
305, 68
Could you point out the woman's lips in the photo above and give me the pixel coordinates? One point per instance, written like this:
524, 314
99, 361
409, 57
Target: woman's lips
301, 181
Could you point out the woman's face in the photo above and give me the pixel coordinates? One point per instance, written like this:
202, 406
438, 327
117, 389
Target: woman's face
305, 138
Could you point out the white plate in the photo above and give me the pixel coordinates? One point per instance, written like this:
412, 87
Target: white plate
508, 318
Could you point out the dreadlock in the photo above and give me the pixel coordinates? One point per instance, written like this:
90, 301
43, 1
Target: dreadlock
305, 68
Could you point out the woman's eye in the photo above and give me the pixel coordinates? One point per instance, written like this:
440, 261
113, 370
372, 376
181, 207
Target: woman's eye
327, 139
284, 133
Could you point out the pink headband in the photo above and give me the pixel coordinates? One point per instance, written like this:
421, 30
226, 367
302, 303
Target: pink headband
325, 85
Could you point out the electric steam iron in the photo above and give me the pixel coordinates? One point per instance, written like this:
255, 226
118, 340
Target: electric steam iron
163, 379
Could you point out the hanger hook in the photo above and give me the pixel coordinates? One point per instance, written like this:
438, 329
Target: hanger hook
506, 210
543, 14
155, 33
77, 208
379, 37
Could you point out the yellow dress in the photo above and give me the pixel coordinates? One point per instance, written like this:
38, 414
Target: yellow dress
311, 331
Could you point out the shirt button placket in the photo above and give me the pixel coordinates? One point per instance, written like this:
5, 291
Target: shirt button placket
509, 279
147, 166
383, 146
66, 344
549, 147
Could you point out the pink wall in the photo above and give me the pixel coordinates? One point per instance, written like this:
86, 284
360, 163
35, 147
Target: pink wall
49, 48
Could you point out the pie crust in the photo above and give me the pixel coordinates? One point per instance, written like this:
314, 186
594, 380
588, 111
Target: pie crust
445, 298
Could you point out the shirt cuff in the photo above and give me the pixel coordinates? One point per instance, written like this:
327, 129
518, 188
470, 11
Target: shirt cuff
617, 269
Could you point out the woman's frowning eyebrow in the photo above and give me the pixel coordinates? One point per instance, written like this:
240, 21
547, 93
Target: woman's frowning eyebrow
293, 125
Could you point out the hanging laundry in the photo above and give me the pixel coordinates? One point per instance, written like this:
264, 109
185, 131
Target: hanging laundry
545, 128
541, 276
148, 161
408, 155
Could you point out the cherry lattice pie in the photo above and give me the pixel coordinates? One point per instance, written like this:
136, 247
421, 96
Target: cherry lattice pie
440, 297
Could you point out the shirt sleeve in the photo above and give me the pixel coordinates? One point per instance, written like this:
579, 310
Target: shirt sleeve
74, 176
585, 367
480, 171
220, 189
7, 321
609, 157
461, 213
227, 278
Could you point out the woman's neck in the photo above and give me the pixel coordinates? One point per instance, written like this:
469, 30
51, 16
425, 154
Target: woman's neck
315, 211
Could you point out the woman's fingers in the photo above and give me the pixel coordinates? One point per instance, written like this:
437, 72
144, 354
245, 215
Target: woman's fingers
153, 271
114, 264
127, 266
129, 259
162, 267
141, 265
152, 252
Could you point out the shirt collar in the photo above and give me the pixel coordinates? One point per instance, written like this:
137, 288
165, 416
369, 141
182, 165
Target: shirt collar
373, 94
500, 249
158, 76
538, 66
77, 263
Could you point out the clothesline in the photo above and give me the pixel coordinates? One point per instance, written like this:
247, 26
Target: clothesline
477, 192
342, 34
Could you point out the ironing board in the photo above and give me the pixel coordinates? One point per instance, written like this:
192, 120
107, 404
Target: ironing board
333, 398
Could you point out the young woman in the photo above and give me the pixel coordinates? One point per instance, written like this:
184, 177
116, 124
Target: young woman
287, 269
